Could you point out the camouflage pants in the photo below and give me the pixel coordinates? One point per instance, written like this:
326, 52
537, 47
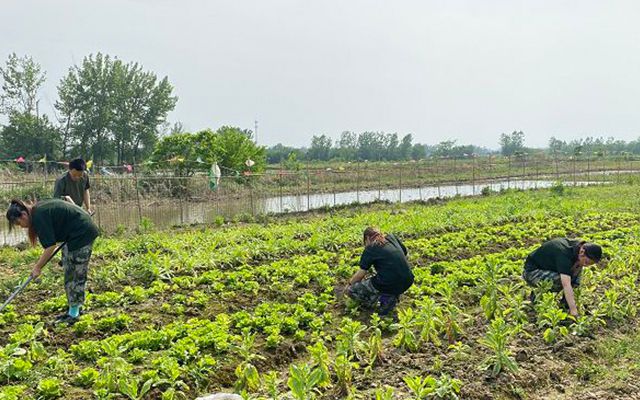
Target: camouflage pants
534, 276
364, 293
76, 264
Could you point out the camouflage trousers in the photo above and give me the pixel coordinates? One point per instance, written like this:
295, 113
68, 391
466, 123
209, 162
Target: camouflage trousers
534, 276
76, 264
364, 293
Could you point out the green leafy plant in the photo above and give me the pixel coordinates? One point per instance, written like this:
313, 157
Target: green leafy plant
406, 338
496, 340
303, 381
49, 388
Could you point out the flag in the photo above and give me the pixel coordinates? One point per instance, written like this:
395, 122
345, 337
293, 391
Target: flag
20, 159
43, 159
89, 164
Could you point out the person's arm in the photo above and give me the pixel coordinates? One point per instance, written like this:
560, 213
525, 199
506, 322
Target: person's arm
58, 189
44, 258
404, 249
568, 294
87, 200
358, 276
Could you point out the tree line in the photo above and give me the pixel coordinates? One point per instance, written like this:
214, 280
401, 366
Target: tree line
112, 112
380, 146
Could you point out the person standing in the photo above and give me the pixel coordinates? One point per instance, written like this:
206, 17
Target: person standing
74, 185
53, 221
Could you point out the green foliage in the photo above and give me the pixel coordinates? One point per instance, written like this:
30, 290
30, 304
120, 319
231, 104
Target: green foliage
228, 146
551, 317
496, 341
303, 381
87, 377
112, 110
49, 388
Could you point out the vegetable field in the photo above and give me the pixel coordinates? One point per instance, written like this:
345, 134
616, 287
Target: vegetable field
257, 309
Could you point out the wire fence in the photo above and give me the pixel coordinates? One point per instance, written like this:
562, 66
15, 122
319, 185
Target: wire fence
124, 201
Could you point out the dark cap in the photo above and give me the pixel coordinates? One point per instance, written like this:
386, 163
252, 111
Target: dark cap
593, 251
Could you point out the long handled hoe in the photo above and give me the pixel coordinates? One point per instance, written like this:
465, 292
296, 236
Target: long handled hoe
29, 279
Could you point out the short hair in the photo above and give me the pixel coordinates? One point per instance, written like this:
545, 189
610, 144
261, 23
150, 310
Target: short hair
78, 164
593, 251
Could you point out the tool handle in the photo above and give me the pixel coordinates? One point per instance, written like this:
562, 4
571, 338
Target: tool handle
29, 279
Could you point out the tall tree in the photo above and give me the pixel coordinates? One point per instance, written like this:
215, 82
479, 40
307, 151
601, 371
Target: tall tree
320, 148
112, 108
348, 145
22, 79
405, 147
511, 143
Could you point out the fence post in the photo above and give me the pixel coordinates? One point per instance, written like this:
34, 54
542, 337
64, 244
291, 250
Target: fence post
473, 172
400, 169
509, 172
251, 195
379, 184
308, 187
358, 181
280, 181
135, 181
588, 168
438, 177
419, 180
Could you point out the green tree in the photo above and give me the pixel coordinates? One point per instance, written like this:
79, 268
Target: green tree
176, 152
22, 79
112, 110
29, 136
320, 148
230, 147
348, 146
237, 147
512, 143
405, 147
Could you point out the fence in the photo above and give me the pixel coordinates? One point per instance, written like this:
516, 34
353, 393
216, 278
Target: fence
124, 201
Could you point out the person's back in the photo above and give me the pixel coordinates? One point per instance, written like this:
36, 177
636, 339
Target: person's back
393, 272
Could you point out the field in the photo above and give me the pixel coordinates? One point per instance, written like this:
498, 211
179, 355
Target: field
257, 309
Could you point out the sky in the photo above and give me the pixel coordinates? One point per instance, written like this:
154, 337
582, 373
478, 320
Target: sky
440, 70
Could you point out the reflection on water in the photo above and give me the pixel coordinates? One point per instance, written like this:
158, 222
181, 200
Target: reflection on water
109, 217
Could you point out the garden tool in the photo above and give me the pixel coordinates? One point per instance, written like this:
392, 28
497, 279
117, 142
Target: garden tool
29, 279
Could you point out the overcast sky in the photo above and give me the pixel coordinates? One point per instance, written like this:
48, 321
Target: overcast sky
465, 70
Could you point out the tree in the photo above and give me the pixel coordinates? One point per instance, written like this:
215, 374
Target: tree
279, 153
29, 136
237, 147
392, 146
372, 146
230, 147
320, 148
404, 150
418, 151
22, 78
111, 108
512, 143
348, 146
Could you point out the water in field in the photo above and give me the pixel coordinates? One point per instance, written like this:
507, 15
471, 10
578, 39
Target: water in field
110, 216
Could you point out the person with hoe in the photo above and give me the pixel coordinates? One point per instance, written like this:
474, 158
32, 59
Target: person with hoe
561, 261
388, 256
53, 221
74, 185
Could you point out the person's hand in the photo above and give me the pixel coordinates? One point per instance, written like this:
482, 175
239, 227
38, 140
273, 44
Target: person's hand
36, 272
573, 313
90, 211
67, 198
